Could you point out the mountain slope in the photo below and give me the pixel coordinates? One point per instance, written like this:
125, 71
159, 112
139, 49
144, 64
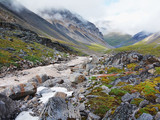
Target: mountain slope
74, 26
76, 37
117, 39
149, 45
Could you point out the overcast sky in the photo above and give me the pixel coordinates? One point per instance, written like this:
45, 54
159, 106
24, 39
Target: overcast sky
129, 16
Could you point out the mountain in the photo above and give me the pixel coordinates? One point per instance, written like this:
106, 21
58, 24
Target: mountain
117, 39
73, 25
152, 39
149, 45
80, 36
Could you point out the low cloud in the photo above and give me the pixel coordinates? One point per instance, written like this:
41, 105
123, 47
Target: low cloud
129, 16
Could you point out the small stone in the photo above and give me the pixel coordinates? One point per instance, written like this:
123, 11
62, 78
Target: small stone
158, 100
145, 116
107, 90
92, 116
143, 103
61, 95
92, 96
152, 71
82, 107
157, 117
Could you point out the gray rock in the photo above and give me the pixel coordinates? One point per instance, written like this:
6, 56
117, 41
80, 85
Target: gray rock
57, 108
157, 117
39, 79
106, 89
19, 91
77, 78
43, 91
145, 116
143, 103
92, 96
8, 108
89, 67
61, 95
123, 112
82, 107
52, 82
92, 116
158, 100
127, 97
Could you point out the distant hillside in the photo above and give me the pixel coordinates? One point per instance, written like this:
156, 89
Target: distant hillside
149, 45
117, 39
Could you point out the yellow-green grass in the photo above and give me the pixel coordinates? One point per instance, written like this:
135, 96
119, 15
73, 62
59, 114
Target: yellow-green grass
96, 47
10, 57
152, 49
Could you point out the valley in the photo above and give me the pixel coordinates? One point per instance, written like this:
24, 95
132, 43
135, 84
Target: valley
56, 65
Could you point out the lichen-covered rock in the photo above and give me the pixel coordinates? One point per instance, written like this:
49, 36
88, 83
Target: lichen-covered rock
77, 78
8, 108
39, 79
92, 116
123, 112
21, 90
143, 103
127, 97
57, 108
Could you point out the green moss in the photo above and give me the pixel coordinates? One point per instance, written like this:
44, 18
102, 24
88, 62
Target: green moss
114, 70
93, 78
157, 70
148, 109
147, 89
131, 66
101, 105
38, 52
136, 101
128, 88
117, 92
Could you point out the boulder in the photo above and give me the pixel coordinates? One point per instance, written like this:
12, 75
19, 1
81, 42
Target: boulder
157, 117
77, 78
8, 108
127, 97
92, 116
57, 108
143, 103
39, 79
21, 90
61, 95
123, 112
145, 116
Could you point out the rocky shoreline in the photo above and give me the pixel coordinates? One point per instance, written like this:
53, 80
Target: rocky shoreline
121, 86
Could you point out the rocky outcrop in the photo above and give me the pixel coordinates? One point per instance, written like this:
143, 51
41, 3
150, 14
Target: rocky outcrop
57, 108
29, 36
8, 108
124, 58
123, 112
